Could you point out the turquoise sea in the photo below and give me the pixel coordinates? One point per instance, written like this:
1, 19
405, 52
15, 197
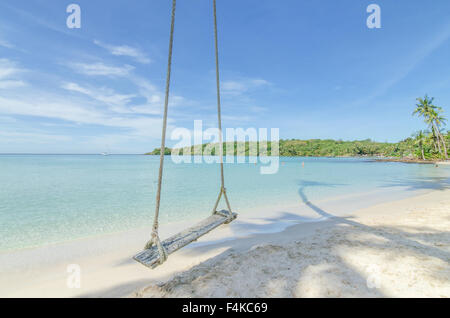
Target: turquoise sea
46, 199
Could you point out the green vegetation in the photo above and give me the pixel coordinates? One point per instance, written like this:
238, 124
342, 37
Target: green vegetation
157, 151
339, 148
431, 144
320, 148
423, 145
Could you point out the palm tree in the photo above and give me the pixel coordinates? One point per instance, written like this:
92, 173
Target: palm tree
432, 137
439, 121
421, 139
433, 118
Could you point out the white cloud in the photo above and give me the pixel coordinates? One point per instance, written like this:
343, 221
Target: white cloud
121, 103
259, 82
238, 87
233, 86
81, 112
134, 115
8, 68
36, 137
125, 50
7, 119
8, 75
100, 69
240, 99
232, 118
257, 109
154, 97
6, 44
104, 95
11, 84
131, 114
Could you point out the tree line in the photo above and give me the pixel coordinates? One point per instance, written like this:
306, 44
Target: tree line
428, 144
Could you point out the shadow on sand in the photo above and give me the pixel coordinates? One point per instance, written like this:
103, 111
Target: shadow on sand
418, 243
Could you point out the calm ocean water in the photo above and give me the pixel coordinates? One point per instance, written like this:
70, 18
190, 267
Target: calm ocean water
46, 199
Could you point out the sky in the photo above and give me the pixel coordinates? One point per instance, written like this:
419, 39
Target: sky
311, 68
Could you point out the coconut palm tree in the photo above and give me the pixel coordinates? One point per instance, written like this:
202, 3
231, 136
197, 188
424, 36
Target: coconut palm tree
433, 118
420, 140
439, 121
432, 138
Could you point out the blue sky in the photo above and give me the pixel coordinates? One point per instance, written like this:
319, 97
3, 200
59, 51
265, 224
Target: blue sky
311, 68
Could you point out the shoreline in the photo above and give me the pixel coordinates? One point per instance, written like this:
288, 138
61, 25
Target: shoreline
109, 271
396, 249
377, 195
418, 161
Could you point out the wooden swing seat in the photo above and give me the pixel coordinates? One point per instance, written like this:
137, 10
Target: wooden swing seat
150, 257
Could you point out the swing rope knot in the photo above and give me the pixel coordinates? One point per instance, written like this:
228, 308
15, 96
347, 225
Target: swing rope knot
163, 255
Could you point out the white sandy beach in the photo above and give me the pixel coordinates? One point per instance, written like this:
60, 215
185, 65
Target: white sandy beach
325, 249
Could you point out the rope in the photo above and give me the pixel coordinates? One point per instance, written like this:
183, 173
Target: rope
155, 237
219, 119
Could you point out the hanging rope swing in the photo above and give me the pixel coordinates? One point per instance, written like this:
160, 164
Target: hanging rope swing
157, 252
